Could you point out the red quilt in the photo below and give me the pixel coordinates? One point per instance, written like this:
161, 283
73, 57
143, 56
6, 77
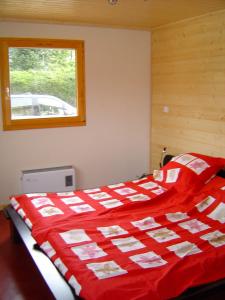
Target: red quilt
133, 240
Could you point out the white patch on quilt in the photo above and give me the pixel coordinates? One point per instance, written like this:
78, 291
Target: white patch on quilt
75, 284
72, 200
50, 211
163, 235
184, 249
110, 231
184, 159
128, 244
21, 212
112, 186
88, 251
14, 203
194, 226
176, 157
36, 195
74, 236
100, 196
48, 249
215, 238
159, 191
92, 190
223, 188
172, 175
82, 208
106, 269
139, 197
158, 175
38, 202
205, 203
176, 216
149, 185
146, 223
139, 180
29, 223
198, 166
111, 203
65, 194
148, 260
125, 191
218, 214
60, 266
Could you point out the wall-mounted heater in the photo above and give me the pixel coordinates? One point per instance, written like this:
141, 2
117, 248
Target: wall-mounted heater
59, 179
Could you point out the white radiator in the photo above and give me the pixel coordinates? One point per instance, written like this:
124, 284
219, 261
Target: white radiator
59, 179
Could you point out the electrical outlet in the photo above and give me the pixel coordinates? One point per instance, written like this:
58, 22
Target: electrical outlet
165, 109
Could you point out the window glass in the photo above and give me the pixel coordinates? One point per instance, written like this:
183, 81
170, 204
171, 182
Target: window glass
42, 84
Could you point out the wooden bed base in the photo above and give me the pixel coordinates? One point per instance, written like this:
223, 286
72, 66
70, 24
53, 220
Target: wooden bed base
57, 284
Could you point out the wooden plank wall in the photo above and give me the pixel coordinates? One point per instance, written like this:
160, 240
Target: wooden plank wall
188, 76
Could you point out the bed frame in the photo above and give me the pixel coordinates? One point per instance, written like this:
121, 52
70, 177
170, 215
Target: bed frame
60, 289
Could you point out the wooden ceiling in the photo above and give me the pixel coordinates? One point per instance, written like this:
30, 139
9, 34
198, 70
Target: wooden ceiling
136, 14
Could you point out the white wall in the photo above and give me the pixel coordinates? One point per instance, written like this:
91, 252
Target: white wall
114, 146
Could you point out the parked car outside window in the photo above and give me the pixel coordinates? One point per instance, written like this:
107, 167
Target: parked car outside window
27, 106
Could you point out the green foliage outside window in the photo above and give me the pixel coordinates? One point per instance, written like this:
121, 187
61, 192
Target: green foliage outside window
43, 71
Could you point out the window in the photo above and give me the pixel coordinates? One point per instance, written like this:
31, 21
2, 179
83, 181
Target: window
42, 83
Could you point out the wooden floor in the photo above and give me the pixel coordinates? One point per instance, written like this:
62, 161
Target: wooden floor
19, 280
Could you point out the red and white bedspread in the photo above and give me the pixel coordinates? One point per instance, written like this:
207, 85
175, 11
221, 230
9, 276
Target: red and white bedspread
138, 240
132, 240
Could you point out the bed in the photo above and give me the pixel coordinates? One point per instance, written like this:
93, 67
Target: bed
158, 237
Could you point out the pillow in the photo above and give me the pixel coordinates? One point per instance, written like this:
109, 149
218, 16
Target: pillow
189, 171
